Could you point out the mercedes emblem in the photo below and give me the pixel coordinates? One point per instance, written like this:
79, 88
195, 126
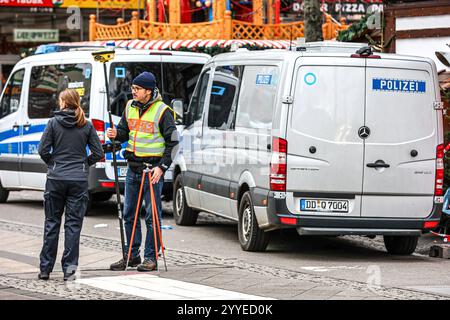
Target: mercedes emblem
364, 132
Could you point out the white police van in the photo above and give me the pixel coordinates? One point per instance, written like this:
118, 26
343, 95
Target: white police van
330, 139
30, 98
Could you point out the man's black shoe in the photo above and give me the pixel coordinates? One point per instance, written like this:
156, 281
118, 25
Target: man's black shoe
43, 276
121, 264
147, 265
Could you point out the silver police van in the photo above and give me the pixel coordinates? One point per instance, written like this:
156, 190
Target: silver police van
330, 139
30, 98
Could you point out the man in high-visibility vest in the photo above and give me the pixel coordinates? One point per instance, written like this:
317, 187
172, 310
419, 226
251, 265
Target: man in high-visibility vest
149, 127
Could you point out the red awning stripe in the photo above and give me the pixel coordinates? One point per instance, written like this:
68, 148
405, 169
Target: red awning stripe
158, 45
194, 43
150, 44
177, 44
167, 44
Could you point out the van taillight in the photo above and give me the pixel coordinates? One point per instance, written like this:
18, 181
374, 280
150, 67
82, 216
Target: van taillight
439, 180
99, 126
278, 165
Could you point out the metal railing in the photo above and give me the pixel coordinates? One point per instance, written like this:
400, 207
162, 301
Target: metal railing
226, 28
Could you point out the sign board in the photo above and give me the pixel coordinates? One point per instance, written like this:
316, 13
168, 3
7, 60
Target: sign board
398, 85
36, 35
26, 3
102, 4
341, 8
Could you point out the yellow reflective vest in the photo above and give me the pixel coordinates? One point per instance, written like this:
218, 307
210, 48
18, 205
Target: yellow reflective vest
145, 139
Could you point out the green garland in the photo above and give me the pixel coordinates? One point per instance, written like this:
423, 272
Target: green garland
355, 31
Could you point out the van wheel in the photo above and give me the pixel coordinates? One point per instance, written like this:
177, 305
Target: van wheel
4, 194
182, 213
402, 245
251, 237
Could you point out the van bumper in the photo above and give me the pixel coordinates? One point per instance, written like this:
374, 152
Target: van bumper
309, 225
97, 178
99, 182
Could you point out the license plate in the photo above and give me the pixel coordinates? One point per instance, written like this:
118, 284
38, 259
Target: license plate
324, 205
122, 172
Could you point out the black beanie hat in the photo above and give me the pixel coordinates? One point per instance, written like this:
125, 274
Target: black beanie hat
145, 80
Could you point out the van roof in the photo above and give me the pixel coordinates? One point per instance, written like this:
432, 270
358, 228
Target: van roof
87, 53
280, 54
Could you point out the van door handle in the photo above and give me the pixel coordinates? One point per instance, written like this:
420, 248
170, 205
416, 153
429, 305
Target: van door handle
378, 165
27, 125
16, 126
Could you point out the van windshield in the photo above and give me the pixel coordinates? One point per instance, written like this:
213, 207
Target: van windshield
174, 80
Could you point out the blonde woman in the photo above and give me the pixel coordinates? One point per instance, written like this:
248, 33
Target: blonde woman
63, 149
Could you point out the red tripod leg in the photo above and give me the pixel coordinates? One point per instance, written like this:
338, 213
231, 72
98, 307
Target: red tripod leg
136, 216
156, 224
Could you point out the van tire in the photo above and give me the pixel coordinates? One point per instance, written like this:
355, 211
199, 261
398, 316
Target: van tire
401, 245
251, 237
4, 194
182, 213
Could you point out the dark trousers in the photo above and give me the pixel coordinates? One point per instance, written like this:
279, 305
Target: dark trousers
73, 197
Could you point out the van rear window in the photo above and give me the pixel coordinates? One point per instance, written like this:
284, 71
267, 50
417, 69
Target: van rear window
48, 81
174, 80
121, 76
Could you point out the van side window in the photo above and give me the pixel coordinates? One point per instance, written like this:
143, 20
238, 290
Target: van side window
47, 82
224, 93
256, 102
198, 99
179, 81
11, 96
121, 75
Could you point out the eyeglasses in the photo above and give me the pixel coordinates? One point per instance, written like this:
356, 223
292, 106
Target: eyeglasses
136, 88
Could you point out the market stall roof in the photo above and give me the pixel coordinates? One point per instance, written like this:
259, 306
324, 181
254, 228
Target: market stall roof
177, 44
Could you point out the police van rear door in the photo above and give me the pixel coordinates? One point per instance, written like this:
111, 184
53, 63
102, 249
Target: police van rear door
324, 152
401, 138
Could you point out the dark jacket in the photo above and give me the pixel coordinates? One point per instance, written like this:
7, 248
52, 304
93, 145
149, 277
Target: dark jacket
63, 147
169, 132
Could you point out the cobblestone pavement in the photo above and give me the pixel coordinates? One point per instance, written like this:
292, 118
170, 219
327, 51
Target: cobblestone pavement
182, 260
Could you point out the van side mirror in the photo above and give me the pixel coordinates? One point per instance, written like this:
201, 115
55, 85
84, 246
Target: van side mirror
177, 107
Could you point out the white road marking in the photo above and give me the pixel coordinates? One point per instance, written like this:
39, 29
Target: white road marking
156, 288
331, 268
101, 225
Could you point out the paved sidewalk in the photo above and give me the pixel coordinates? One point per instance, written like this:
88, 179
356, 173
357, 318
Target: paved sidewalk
189, 276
